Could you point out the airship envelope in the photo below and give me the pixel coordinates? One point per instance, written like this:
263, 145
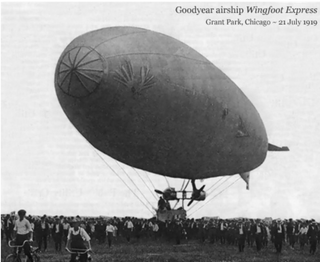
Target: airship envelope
154, 103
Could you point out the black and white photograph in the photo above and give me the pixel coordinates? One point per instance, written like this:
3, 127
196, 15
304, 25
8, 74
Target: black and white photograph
160, 131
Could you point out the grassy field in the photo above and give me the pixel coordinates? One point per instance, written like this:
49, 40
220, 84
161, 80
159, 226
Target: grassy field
161, 251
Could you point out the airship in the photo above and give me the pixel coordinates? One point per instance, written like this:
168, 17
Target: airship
154, 103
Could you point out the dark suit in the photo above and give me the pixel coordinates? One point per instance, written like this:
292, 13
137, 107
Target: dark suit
222, 232
312, 235
258, 235
8, 228
250, 234
57, 233
279, 236
290, 234
178, 232
241, 237
41, 234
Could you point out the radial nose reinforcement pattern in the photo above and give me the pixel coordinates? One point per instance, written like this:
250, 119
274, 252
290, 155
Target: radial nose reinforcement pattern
80, 71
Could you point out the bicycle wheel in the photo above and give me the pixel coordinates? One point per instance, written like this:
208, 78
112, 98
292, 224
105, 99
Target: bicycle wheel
13, 258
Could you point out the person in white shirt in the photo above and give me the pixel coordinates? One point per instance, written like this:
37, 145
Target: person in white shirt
109, 231
303, 239
115, 231
32, 225
92, 229
222, 232
77, 237
23, 231
150, 229
129, 228
155, 230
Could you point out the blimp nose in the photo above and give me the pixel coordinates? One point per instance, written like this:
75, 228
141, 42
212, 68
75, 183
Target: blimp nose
79, 71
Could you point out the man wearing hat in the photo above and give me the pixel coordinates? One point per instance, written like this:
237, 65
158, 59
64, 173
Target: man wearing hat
42, 230
178, 228
66, 227
291, 233
57, 233
250, 232
8, 227
279, 235
129, 228
241, 236
109, 232
222, 231
258, 234
23, 231
303, 239
312, 235
76, 241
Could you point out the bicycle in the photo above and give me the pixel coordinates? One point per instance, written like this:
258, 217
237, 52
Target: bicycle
15, 256
79, 252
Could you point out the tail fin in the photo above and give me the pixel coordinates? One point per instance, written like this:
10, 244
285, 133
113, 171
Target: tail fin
272, 147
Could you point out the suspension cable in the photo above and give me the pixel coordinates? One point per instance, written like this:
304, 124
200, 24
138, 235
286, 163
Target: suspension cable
186, 185
209, 193
214, 197
184, 180
219, 185
176, 204
134, 183
152, 193
122, 180
150, 180
215, 184
167, 181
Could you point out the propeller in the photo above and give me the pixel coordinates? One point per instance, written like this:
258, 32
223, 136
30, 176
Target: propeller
195, 195
190, 202
158, 191
201, 189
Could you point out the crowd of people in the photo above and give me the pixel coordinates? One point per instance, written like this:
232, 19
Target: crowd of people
242, 232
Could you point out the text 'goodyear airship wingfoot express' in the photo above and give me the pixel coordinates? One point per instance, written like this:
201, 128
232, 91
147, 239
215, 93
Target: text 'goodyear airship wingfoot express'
152, 102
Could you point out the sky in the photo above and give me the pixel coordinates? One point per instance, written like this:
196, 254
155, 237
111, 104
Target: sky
47, 167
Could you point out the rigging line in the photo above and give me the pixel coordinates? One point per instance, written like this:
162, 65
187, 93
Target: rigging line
183, 184
148, 186
134, 183
210, 192
215, 196
167, 181
175, 205
186, 185
118, 176
152, 193
122, 180
215, 184
150, 180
